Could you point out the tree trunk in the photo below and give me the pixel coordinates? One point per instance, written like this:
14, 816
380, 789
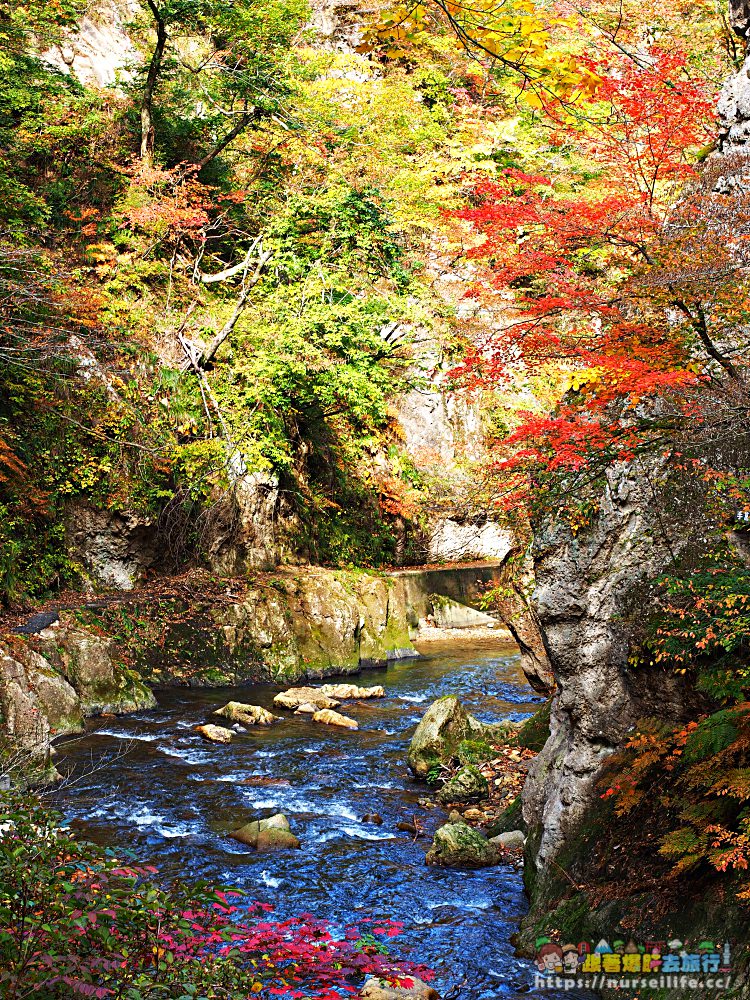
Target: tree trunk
147, 103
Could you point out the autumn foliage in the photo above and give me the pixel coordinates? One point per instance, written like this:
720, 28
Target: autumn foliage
593, 280
77, 921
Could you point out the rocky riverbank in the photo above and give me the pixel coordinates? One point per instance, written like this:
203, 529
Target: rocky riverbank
477, 772
107, 656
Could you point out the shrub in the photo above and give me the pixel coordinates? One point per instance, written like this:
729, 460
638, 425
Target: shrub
76, 921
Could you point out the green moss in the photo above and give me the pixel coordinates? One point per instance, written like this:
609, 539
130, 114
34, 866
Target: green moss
474, 751
511, 818
535, 731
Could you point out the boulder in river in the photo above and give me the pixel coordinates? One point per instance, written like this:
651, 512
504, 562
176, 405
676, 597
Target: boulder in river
445, 725
249, 715
457, 845
329, 718
381, 989
306, 709
467, 785
216, 734
345, 691
276, 840
295, 697
250, 832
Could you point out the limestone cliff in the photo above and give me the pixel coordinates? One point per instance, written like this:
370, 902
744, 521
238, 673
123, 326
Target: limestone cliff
588, 586
594, 589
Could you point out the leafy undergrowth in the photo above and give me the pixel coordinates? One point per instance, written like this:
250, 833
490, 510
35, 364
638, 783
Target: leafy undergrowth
75, 920
703, 807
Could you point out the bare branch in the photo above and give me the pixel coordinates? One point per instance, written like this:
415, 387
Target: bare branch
206, 356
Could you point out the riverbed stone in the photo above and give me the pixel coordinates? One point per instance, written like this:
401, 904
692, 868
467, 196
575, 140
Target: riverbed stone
306, 709
295, 697
273, 839
380, 989
457, 845
249, 715
347, 691
513, 841
329, 718
445, 725
250, 832
216, 734
467, 785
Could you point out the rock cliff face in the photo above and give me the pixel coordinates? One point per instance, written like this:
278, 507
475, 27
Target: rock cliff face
102, 53
50, 684
113, 548
588, 586
591, 587
441, 432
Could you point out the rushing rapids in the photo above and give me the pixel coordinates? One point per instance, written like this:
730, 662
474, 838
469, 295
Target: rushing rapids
150, 783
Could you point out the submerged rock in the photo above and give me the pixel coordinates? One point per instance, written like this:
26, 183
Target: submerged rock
216, 734
295, 697
457, 845
345, 691
329, 718
445, 724
249, 715
380, 989
467, 785
250, 833
375, 818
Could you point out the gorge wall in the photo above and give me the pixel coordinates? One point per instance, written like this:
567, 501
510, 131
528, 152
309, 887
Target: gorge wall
256, 525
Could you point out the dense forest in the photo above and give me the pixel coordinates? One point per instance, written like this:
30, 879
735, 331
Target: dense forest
297, 299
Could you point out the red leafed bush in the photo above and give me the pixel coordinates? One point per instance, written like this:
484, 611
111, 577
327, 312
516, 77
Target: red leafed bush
77, 922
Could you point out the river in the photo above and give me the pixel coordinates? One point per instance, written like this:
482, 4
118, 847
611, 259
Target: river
149, 782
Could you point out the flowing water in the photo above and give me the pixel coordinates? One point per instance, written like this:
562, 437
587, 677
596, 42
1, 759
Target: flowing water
149, 782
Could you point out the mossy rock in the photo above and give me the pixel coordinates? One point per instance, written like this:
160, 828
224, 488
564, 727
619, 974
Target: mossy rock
276, 840
475, 751
467, 785
444, 727
457, 845
250, 832
534, 733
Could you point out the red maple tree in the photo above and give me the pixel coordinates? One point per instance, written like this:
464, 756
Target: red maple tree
611, 282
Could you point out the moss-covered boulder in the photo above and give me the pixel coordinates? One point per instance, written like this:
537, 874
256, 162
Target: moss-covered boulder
276, 840
444, 726
457, 845
467, 785
94, 667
